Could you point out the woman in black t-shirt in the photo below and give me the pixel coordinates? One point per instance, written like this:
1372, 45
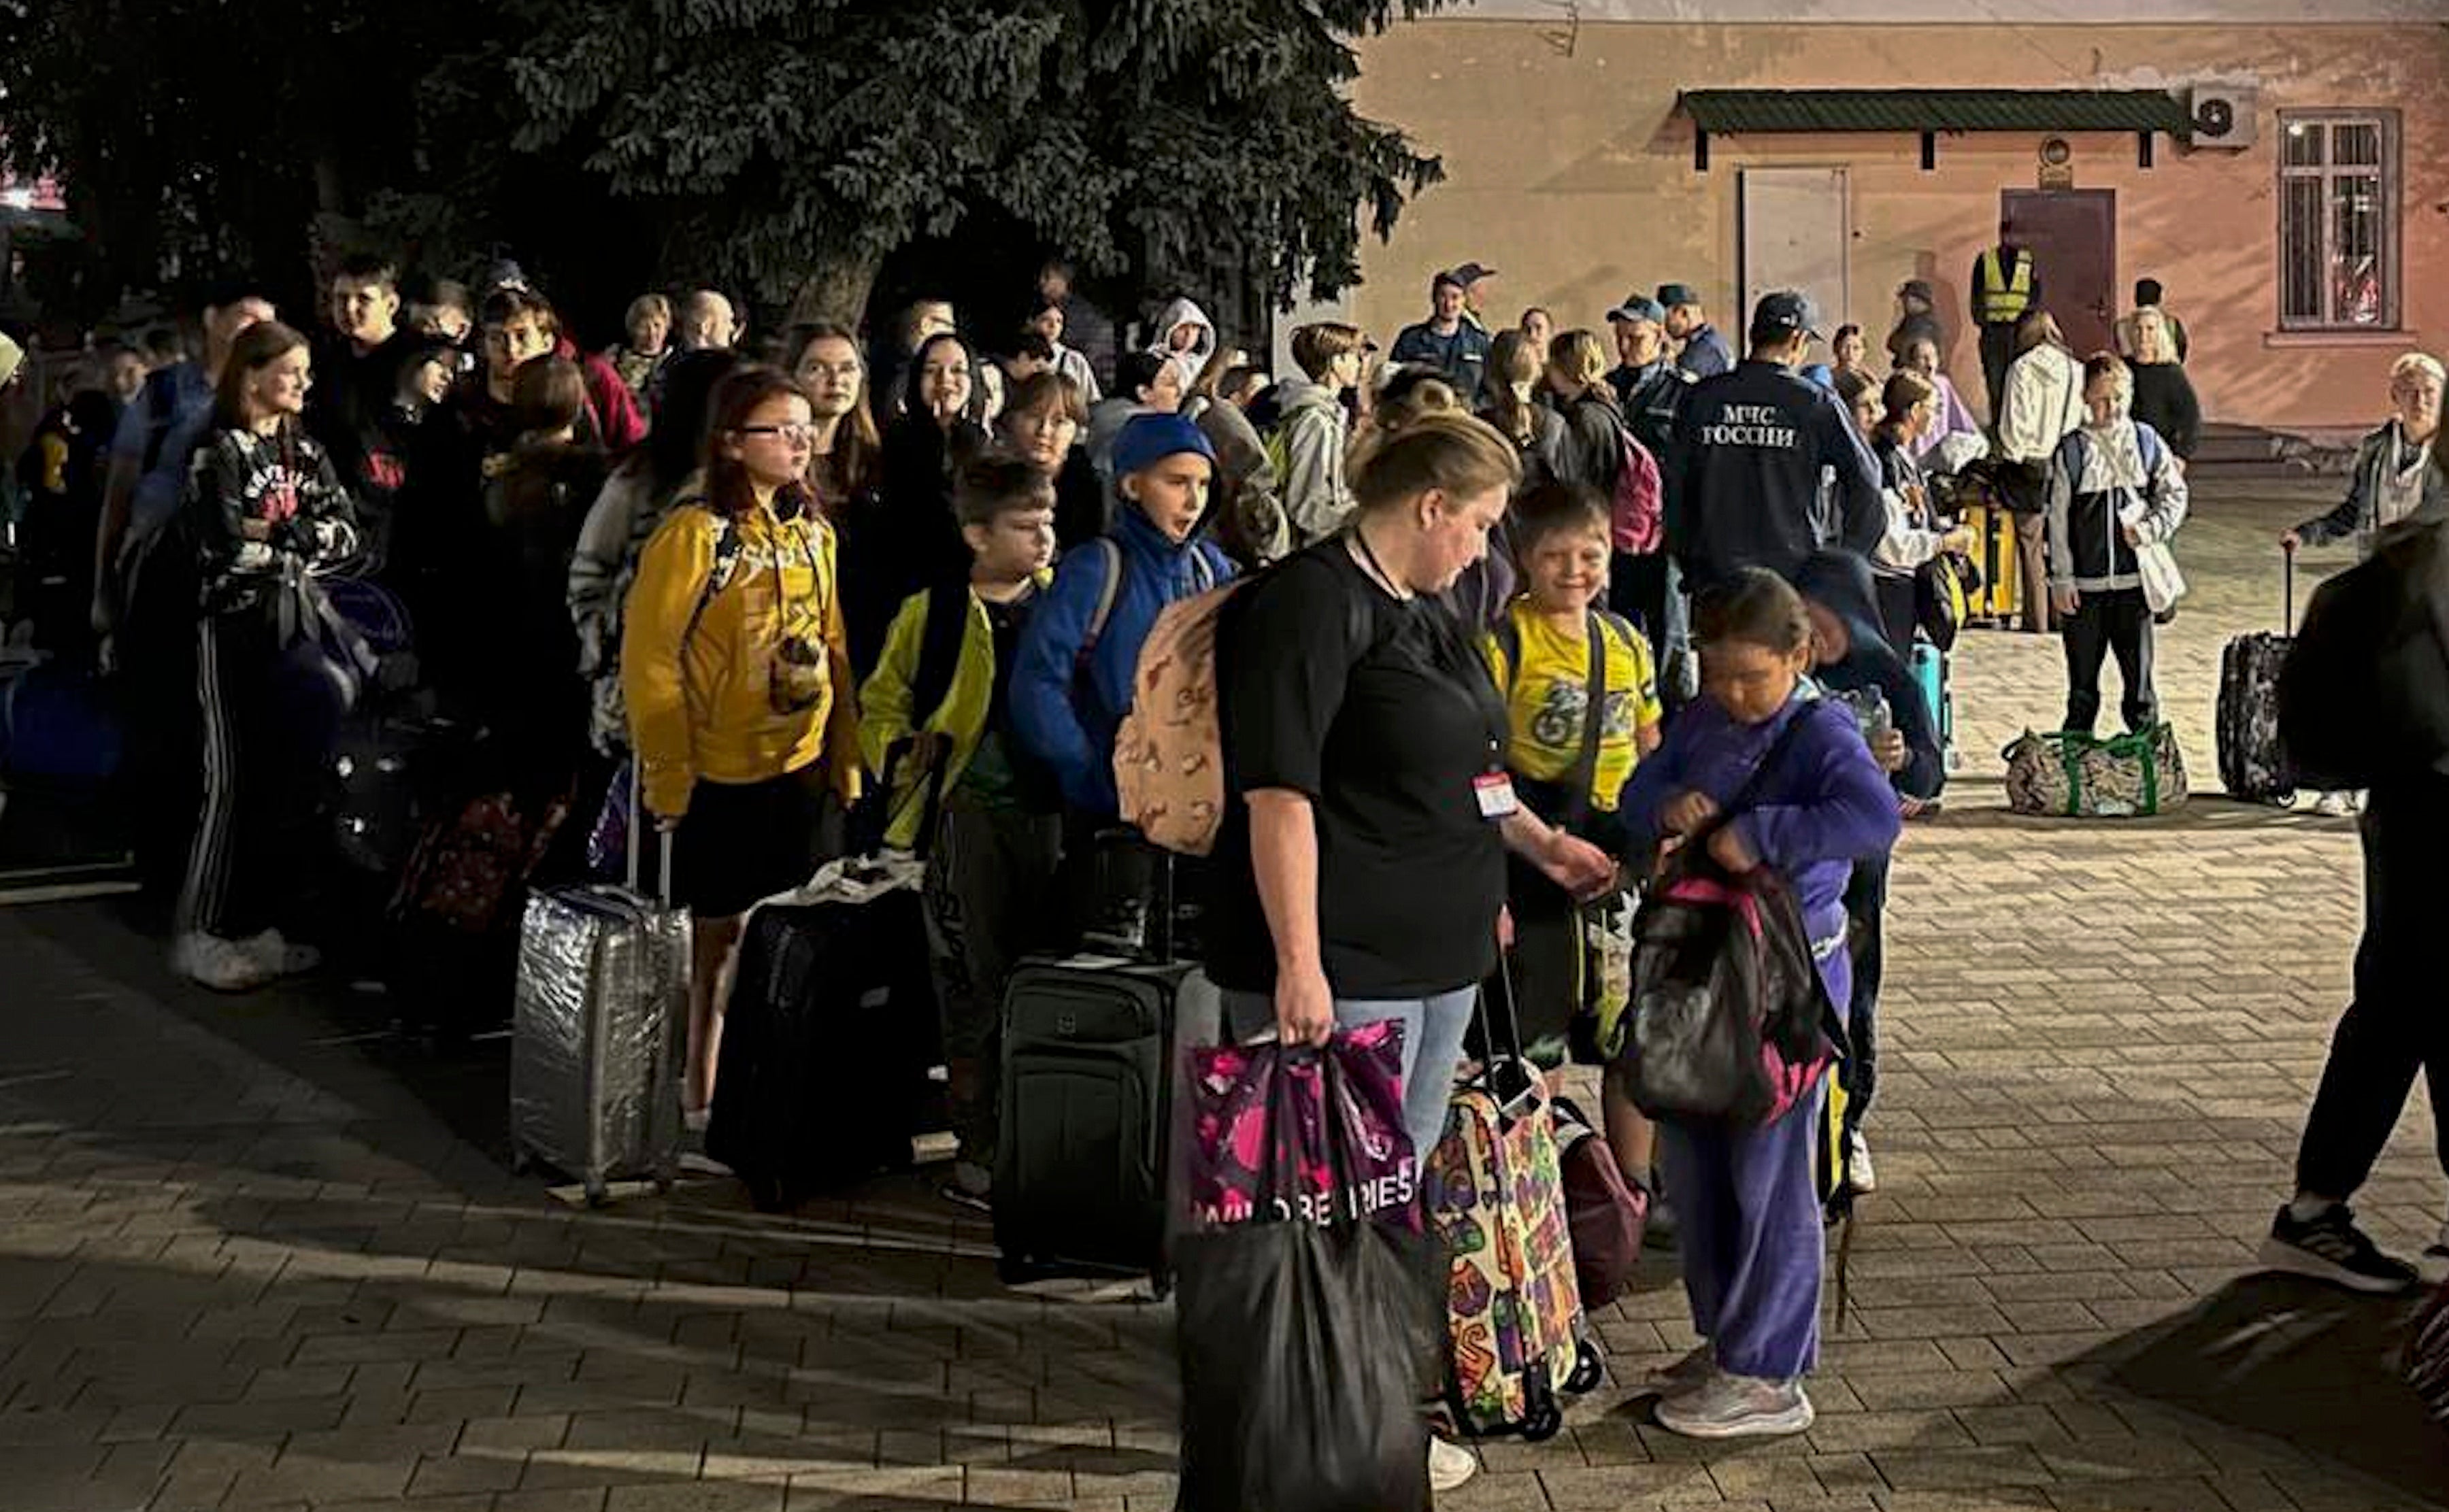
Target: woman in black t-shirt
1361, 875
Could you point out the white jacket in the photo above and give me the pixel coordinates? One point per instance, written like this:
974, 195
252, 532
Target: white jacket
1185, 312
2042, 405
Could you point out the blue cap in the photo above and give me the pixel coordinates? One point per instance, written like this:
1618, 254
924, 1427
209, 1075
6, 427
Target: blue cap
1784, 313
1639, 307
1671, 294
1149, 439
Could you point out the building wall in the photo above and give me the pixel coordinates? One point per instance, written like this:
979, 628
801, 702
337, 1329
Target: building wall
1569, 170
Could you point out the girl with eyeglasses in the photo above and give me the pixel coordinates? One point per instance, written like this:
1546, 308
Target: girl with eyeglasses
737, 673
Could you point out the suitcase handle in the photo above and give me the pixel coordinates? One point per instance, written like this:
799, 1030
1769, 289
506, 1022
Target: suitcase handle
662, 841
2288, 588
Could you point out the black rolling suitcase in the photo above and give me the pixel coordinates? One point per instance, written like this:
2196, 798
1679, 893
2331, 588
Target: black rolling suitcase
1085, 1148
2252, 766
829, 1036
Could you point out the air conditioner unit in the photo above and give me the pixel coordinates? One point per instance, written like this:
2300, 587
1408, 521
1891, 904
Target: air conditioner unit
2225, 115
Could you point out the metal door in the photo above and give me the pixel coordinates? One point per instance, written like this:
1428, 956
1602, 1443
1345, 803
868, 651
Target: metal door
1796, 230
2072, 234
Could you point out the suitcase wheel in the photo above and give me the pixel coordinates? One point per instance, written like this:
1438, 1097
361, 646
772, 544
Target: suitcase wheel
767, 1192
1590, 1369
1542, 1418
598, 1194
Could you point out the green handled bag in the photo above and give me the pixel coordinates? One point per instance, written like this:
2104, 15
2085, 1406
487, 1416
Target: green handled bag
2069, 775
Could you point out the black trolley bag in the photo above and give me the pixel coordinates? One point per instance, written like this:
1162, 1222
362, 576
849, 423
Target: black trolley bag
831, 1032
1083, 1152
2252, 763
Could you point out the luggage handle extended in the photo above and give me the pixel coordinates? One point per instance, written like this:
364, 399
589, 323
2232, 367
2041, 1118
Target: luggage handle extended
663, 840
1504, 1068
2288, 588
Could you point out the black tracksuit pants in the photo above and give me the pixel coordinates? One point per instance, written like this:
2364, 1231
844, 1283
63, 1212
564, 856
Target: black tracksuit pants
2399, 1023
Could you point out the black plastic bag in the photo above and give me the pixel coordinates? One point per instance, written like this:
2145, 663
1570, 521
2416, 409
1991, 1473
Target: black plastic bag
1304, 1349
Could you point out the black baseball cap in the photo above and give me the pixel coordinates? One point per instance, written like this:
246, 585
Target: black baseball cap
1784, 313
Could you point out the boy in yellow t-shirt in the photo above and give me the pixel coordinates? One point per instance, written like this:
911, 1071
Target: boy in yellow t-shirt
1565, 771
1569, 764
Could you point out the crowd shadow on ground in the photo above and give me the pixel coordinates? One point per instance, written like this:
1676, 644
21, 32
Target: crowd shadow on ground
2300, 1361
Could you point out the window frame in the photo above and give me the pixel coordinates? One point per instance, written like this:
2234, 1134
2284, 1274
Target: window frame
2386, 121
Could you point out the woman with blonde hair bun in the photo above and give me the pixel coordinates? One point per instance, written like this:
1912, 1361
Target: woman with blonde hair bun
1361, 863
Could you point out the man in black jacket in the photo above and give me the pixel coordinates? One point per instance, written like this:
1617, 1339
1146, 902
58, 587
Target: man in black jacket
1751, 446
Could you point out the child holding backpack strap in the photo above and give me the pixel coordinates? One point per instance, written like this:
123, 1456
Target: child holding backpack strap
1809, 800
1578, 729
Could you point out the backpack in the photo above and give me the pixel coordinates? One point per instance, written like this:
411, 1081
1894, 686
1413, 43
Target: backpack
1637, 510
1730, 1023
1170, 750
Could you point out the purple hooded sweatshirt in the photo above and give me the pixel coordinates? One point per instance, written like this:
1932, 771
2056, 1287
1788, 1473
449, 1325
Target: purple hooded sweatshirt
1749, 1208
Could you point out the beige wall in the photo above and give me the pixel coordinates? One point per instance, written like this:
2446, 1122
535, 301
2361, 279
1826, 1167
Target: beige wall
1573, 175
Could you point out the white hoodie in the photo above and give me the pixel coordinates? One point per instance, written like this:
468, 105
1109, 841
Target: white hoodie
1180, 312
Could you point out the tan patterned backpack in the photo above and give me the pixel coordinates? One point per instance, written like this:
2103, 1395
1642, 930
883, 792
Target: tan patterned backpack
1169, 752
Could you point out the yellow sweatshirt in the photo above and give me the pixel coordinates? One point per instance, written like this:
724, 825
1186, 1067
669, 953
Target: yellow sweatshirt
701, 702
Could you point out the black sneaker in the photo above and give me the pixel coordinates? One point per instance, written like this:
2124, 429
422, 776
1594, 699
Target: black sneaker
2331, 1248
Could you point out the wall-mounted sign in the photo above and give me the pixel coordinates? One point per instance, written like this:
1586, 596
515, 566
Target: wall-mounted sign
2057, 164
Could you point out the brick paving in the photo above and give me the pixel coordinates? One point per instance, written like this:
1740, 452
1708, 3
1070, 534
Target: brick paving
256, 1254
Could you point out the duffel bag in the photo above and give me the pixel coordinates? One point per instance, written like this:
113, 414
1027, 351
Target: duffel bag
2070, 775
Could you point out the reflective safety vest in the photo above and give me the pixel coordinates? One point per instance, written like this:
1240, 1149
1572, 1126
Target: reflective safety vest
2004, 296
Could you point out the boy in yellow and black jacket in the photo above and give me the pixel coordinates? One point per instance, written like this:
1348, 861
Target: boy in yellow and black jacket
934, 729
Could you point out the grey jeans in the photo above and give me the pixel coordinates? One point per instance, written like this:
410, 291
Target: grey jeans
1433, 1035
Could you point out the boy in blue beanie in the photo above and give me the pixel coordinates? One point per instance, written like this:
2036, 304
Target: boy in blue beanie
1072, 684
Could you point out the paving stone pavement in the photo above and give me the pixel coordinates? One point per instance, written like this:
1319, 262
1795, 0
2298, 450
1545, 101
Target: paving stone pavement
256, 1255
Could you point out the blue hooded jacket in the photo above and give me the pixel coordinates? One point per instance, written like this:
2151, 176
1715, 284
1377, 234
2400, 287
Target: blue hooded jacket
1066, 715
1841, 582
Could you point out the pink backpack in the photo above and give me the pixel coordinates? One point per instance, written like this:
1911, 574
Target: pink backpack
1638, 510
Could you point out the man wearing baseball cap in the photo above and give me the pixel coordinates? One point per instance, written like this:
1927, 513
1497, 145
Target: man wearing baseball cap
1750, 445
1448, 341
1475, 279
1917, 320
1704, 353
1106, 596
1646, 385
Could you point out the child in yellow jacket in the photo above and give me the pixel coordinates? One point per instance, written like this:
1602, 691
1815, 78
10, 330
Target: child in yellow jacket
737, 674
937, 732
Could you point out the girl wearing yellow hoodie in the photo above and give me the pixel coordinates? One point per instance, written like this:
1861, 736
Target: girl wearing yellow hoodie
737, 674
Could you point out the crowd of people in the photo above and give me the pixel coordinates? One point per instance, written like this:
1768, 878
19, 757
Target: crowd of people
1535, 606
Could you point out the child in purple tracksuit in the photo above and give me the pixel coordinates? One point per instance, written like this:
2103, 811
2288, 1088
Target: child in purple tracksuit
1750, 1213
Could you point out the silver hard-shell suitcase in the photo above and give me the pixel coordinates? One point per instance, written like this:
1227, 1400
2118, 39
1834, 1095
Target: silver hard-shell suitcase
597, 1031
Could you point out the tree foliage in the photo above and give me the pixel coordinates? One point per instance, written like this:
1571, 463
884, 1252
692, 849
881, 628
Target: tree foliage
784, 145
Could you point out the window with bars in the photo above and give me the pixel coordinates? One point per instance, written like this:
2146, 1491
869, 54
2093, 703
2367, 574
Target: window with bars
2338, 220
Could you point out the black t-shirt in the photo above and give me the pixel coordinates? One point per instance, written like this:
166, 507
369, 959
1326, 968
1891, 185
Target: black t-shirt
1382, 713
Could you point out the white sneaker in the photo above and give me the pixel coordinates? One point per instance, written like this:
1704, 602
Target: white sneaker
285, 959
1860, 1174
1737, 1407
2335, 805
1685, 1373
224, 965
1450, 1465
